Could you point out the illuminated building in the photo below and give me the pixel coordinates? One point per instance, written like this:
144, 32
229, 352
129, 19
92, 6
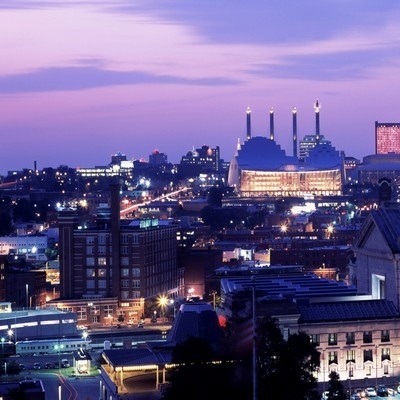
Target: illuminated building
128, 260
387, 138
261, 168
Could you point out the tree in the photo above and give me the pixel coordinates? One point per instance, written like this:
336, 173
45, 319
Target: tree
335, 387
295, 360
121, 318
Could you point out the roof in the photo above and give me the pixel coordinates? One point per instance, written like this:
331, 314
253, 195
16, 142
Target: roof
195, 319
387, 220
294, 285
347, 311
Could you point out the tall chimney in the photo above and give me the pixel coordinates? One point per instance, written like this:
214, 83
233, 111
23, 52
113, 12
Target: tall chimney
271, 124
317, 107
248, 117
294, 111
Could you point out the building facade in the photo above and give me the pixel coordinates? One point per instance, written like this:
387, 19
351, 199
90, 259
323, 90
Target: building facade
387, 137
130, 261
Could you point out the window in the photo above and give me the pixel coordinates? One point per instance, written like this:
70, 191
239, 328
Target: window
135, 283
124, 294
136, 272
102, 272
90, 273
102, 283
102, 261
350, 338
367, 337
314, 339
351, 370
385, 354
81, 313
368, 370
90, 240
90, 284
351, 356
89, 250
101, 249
125, 283
368, 355
125, 261
332, 357
332, 339
124, 272
108, 310
385, 336
90, 261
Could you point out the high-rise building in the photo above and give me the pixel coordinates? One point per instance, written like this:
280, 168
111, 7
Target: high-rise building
130, 260
157, 158
387, 137
308, 143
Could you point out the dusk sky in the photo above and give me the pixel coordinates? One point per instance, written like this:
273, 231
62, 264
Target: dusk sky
82, 80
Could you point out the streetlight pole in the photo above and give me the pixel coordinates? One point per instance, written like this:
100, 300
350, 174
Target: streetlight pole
27, 295
254, 341
376, 366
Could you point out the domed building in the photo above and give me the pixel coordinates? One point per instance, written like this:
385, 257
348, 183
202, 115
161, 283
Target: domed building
261, 167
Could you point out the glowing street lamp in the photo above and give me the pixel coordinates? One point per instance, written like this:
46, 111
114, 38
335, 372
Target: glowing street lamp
58, 348
10, 332
162, 303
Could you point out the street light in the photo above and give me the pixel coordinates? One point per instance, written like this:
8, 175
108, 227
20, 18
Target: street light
2, 346
162, 303
10, 332
27, 295
59, 347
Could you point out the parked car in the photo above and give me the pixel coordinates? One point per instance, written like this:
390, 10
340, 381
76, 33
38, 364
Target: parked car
64, 363
360, 393
382, 391
22, 367
370, 392
36, 366
48, 365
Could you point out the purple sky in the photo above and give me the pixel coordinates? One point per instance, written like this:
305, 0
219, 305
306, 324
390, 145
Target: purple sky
82, 80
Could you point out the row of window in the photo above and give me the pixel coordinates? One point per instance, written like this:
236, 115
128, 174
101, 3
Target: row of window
368, 355
350, 338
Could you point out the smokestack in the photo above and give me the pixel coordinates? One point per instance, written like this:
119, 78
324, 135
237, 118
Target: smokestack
317, 107
271, 124
248, 117
294, 111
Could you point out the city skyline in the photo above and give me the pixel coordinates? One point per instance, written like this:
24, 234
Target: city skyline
85, 80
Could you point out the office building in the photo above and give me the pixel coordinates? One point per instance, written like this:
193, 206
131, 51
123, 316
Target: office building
109, 269
387, 137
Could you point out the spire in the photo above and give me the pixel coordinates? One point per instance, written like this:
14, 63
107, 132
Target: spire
271, 124
317, 108
248, 117
294, 112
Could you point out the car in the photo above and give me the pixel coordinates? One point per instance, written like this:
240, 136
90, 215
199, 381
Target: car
22, 367
382, 391
359, 393
370, 392
65, 363
141, 324
36, 366
48, 365
56, 364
